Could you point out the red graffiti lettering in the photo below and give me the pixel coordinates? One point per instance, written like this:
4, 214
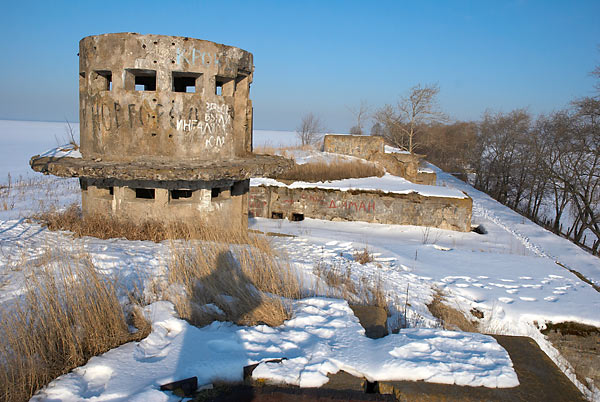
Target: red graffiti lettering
351, 203
362, 206
371, 205
332, 204
288, 201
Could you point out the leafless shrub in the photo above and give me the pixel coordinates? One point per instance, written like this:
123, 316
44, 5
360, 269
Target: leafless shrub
363, 256
310, 130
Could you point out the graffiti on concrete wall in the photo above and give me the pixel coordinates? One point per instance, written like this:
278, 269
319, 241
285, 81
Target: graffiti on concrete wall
208, 125
193, 57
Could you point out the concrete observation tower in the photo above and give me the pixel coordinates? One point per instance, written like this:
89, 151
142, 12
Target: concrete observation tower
166, 129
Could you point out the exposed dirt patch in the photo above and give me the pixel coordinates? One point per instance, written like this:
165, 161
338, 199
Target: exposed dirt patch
580, 345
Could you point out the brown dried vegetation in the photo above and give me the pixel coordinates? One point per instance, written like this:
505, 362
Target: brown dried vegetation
450, 318
334, 170
247, 283
68, 314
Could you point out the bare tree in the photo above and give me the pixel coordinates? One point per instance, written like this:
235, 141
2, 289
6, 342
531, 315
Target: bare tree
413, 112
310, 129
361, 114
418, 108
388, 126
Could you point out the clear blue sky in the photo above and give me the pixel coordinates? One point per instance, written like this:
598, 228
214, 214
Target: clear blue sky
323, 56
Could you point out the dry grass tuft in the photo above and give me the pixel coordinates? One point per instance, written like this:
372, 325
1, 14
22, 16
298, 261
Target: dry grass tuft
68, 314
449, 317
340, 284
363, 256
334, 170
247, 283
103, 227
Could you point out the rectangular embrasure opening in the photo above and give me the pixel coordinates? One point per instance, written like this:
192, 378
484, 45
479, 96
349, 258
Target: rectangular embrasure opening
277, 215
224, 86
181, 194
145, 193
186, 82
297, 217
105, 190
140, 80
102, 80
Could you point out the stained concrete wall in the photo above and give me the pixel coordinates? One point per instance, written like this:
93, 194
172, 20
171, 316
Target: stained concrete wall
368, 206
173, 201
373, 149
132, 107
361, 146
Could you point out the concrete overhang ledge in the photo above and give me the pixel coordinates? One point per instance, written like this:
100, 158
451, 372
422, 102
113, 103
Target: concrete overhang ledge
240, 168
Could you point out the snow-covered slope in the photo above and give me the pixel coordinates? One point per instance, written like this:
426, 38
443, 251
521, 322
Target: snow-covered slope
510, 274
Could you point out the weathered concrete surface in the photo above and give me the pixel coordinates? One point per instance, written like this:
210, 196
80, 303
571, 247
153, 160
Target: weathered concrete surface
361, 205
234, 168
373, 319
426, 177
373, 149
172, 201
166, 129
403, 165
120, 122
361, 146
539, 378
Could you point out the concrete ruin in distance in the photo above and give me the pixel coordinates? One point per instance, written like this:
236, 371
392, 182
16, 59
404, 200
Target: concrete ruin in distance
166, 129
419, 202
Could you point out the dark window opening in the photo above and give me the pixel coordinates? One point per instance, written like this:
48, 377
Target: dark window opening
224, 86
239, 188
179, 194
297, 217
215, 192
83, 184
106, 189
277, 215
102, 80
219, 88
140, 80
145, 193
185, 82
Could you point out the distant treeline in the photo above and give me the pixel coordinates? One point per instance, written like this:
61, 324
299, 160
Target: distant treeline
546, 167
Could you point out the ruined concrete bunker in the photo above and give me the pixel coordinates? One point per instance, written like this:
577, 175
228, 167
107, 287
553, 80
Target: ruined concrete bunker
165, 128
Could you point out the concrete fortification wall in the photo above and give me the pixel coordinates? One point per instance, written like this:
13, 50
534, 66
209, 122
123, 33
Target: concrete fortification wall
361, 146
361, 205
136, 101
166, 129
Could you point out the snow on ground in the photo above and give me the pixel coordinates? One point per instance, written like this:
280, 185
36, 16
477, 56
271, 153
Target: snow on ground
393, 150
510, 274
387, 183
323, 337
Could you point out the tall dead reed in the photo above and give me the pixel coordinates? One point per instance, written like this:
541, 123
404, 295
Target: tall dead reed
245, 282
67, 314
106, 227
337, 169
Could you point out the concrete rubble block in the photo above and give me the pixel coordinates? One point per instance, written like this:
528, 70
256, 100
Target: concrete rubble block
373, 319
